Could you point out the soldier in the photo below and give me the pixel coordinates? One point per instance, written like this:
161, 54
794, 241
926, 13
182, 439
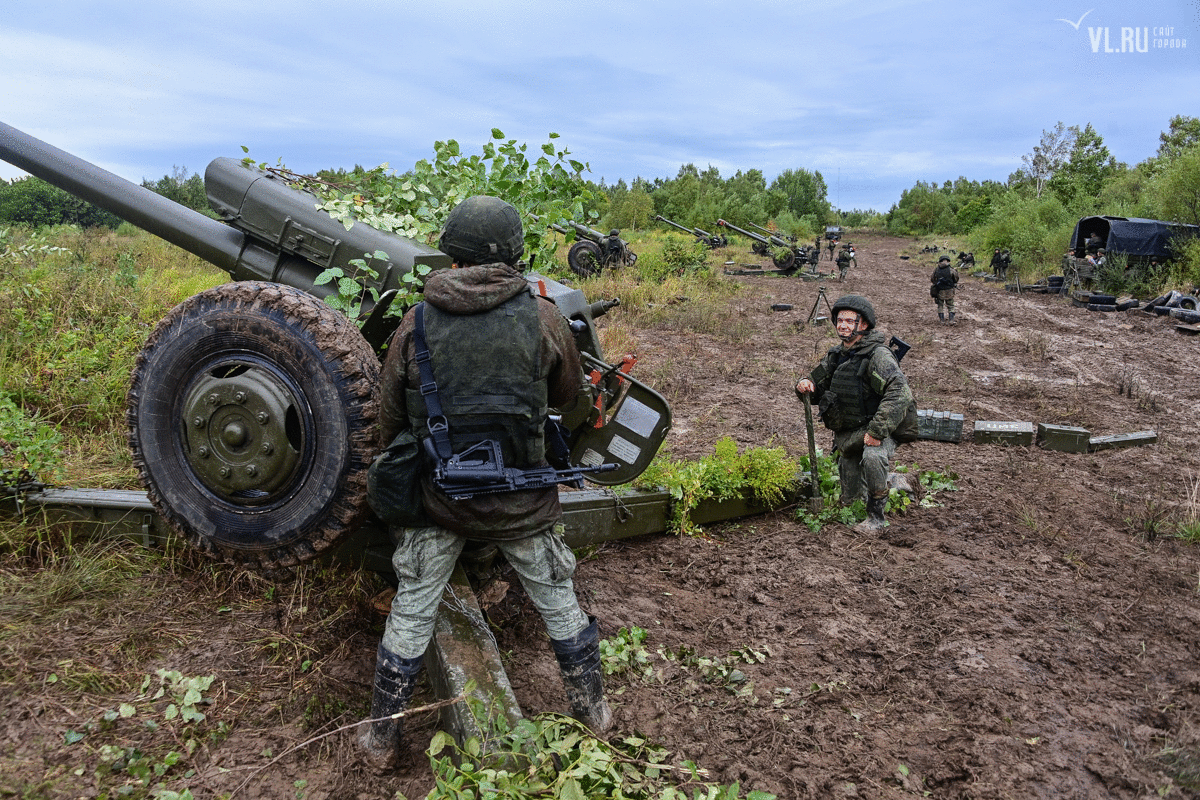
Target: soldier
941, 289
832, 244
844, 257
997, 260
611, 248
1005, 263
502, 357
865, 400
1093, 243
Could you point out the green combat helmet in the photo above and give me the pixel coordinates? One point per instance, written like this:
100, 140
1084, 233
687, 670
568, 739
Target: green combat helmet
857, 303
483, 230
944, 258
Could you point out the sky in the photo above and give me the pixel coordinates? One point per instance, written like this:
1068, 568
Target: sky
873, 94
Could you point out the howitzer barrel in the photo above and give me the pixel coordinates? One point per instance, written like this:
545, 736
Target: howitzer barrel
674, 224
749, 234
274, 232
179, 225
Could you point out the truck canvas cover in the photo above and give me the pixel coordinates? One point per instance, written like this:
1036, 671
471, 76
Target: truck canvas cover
1149, 238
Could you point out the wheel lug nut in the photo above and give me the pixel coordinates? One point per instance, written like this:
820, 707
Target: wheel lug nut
202, 452
198, 422
263, 418
239, 397
223, 472
251, 470
267, 448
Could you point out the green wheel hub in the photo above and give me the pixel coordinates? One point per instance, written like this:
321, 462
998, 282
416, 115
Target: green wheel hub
243, 432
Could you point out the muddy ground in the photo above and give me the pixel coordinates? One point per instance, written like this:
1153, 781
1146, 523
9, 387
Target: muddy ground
1035, 635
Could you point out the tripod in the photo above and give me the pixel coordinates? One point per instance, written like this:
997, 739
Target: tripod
812, 315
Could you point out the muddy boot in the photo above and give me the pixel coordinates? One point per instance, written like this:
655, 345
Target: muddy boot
941, 317
875, 520
579, 662
952, 322
395, 679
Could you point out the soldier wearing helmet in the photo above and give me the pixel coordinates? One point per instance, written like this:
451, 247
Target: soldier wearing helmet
941, 288
865, 400
502, 357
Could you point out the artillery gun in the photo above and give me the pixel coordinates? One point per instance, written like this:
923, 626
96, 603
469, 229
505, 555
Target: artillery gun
783, 253
252, 406
593, 251
705, 238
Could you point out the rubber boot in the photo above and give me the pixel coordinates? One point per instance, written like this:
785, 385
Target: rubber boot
579, 662
952, 322
941, 317
875, 520
395, 680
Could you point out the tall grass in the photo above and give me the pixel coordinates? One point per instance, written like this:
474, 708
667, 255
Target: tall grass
76, 306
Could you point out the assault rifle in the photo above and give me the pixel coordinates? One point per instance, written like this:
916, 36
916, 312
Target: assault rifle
480, 470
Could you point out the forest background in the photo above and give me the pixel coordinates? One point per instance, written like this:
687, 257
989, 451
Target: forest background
1068, 174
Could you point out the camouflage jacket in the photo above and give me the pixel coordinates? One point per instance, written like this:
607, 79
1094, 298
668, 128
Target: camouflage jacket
477, 292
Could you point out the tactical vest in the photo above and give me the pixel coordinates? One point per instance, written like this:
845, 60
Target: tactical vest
849, 403
487, 371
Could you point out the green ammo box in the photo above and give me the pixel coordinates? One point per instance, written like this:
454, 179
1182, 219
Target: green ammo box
1120, 440
1063, 438
940, 426
997, 432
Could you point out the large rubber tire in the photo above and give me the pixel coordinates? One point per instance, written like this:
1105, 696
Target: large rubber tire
787, 263
584, 258
251, 418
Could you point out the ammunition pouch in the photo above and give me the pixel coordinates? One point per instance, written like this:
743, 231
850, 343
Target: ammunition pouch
830, 411
394, 483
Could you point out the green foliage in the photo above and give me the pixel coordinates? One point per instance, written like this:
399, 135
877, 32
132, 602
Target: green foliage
805, 193
29, 448
554, 756
1087, 169
1179, 188
626, 653
33, 202
181, 188
766, 474
415, 204
1035, 230
629, 209
168, 707
899, 502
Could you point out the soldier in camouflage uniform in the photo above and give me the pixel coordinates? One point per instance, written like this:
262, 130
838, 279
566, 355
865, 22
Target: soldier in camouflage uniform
942, 284
502, 357
865, 400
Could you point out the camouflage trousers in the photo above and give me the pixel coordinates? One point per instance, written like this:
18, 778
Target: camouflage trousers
947, 304
862, 468
425, 557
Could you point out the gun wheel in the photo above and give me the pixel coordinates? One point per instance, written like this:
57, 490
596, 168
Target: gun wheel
584, 258
251, 418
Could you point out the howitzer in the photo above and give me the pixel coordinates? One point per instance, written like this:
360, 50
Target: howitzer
702, 236
773, 246
252, 406
769, 232
595, 251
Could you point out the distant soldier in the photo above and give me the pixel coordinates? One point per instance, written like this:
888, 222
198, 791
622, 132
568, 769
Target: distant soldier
832, 244
844, 259
941, 288
996, 261
1093, 243
1005, 263
611, 248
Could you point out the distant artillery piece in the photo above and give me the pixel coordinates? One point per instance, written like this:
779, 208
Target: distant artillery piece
705, 238
782, 252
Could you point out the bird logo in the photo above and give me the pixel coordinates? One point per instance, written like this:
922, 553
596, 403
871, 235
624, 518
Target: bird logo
1076, 25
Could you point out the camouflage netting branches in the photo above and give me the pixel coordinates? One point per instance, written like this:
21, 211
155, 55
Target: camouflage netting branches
547, 184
